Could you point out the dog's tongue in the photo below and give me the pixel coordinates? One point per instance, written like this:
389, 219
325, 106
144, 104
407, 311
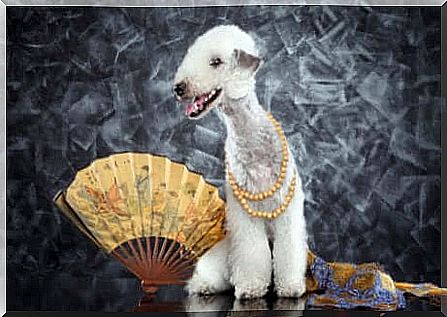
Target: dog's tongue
195, 106
189, 109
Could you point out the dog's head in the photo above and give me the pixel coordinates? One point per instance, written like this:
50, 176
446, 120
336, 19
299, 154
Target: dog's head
219, 66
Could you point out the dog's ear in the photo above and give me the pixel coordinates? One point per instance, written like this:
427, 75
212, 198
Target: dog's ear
247, 61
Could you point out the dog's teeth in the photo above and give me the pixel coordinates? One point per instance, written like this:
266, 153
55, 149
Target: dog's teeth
206, 99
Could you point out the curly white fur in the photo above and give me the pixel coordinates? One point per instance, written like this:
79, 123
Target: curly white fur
244, 259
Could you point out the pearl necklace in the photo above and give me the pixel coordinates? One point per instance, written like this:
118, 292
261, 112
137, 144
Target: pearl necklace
243, 195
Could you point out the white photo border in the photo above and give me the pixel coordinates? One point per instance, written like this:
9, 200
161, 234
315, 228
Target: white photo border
201, 3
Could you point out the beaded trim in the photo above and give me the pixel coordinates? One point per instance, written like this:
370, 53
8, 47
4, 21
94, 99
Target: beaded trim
243, 196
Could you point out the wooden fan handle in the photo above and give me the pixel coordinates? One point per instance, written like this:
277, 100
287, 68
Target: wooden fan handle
148, 287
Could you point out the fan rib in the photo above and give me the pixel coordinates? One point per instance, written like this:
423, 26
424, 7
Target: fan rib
168, 252
141, 254
163, 247
182, 266
174, 255
135, 253
127, 263
148, 251
179, 256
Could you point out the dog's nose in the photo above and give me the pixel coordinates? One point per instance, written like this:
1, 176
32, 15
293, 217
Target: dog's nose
180, 88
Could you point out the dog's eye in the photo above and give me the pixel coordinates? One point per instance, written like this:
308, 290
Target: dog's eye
216, 61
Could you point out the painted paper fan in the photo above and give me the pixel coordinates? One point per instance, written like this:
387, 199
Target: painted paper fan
153, 215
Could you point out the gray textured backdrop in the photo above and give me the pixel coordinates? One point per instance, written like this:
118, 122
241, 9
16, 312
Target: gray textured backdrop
356, 89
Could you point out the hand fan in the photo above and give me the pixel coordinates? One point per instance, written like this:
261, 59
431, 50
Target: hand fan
153, 215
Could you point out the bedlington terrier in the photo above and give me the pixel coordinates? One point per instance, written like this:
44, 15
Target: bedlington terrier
264, 199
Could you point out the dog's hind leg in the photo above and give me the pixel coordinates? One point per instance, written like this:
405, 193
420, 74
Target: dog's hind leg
290, 251
211, 275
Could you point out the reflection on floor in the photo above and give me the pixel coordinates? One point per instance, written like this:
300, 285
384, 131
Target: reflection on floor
197, 305
68, 293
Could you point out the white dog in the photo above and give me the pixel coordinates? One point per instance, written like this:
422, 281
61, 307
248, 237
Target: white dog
218, 71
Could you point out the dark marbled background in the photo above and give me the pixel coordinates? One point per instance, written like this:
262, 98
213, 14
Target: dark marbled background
356, 89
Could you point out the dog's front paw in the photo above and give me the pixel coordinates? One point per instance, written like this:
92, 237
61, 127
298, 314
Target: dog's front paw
198, 285
250, 291
291, 289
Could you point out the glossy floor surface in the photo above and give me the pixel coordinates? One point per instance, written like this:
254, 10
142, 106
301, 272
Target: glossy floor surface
65, 293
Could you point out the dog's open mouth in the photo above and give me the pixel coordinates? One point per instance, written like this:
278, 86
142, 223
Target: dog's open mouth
201, 104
